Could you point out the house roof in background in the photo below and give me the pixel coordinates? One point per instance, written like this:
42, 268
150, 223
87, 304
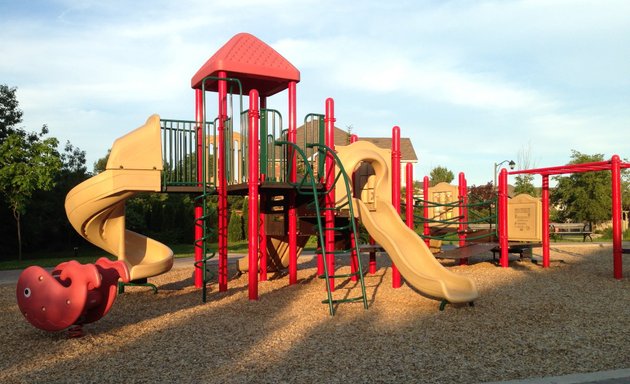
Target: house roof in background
343, 138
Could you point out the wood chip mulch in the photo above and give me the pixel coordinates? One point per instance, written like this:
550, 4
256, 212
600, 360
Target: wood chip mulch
528, 322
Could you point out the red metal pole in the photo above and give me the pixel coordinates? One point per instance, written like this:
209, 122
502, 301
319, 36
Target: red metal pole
292, 211
252, 183
425, 210
198, 203
372, 263
409, 194
396, 281
329, 122
463, 213
503, 226
545, 220
222, 184
262, 234
615, 169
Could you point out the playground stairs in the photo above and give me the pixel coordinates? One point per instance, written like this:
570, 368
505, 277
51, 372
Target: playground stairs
207, 231
310, 188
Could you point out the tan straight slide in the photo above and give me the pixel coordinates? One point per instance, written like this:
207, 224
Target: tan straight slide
412, 256
96, 207
372, 201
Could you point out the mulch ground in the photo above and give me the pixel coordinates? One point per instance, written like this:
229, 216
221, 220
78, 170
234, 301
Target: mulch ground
528, 322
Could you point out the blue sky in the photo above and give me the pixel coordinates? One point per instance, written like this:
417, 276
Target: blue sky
470, 82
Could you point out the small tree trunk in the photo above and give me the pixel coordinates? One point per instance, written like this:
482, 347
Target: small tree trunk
16, 215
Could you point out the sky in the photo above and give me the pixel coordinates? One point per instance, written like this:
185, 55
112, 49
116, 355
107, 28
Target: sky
471, 83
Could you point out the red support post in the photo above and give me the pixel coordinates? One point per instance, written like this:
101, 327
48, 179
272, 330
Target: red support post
329, 121
463, 213
372, 262
615, 169
409, 195
252, 183
198, 203
425, 210
503, 225
545, 220
262, 234
396, 280
292, 211
222, 185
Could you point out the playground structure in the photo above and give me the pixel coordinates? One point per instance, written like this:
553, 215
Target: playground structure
294, 190
614, 165
451, 213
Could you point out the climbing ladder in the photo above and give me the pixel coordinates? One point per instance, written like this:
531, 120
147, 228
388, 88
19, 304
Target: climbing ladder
308, 186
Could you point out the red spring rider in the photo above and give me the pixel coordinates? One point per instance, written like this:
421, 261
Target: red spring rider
72, 295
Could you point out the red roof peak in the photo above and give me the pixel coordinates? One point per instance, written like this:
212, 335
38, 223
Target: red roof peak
253, 62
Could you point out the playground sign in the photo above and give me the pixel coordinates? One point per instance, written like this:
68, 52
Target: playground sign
524, 218
446, 198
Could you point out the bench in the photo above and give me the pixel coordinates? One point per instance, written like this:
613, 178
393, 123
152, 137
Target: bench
570, 229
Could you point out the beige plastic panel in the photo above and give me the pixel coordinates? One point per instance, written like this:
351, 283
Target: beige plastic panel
525, 218
443, 193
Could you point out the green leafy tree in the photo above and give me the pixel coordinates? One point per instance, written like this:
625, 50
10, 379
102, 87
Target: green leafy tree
583, 197
235, 227
440, 174
482, 201
50, 229
28, 162
10, 113
100, 164
525, 183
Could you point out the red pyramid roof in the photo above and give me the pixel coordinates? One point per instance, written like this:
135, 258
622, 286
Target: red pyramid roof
254, 63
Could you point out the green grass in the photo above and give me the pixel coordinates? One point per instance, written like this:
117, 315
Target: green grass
48, 259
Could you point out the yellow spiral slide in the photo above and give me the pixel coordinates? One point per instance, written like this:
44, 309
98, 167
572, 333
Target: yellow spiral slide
96, 207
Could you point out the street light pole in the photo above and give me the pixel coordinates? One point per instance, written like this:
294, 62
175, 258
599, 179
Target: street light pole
511, 163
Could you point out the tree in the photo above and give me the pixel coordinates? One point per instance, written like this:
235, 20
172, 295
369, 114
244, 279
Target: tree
28, 162
101, 164
235, 227
524, 183
482, 199
583, 197
484, 192
10, 113
50, 229
440, 174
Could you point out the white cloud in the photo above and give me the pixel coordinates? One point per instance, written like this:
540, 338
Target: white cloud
489, 74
